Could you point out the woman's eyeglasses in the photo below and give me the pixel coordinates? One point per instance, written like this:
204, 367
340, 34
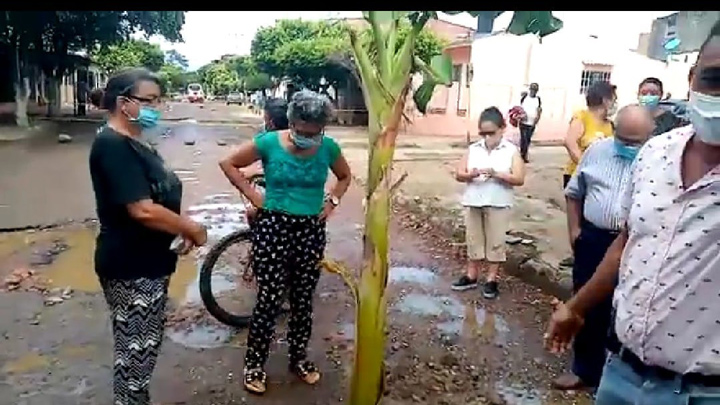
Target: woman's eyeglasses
486, 133
145, 100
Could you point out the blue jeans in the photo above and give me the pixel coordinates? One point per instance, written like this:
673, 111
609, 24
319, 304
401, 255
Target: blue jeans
621, 385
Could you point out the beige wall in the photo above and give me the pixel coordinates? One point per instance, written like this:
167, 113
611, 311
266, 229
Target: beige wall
505, 64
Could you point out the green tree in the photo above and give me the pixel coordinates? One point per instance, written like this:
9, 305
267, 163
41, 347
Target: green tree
307, 51
173, 57
173, 77
385, 64
301, 50
132, 53
52, 35
220, 79
256, 81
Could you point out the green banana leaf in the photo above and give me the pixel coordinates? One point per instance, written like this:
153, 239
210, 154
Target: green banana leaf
542, 23
439, 72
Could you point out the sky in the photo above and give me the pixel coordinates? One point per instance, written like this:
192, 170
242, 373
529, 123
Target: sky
210, 34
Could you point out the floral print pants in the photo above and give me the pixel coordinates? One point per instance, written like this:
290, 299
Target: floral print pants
287, 250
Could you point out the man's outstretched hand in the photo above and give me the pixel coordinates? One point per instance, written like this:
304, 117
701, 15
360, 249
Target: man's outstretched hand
564, 325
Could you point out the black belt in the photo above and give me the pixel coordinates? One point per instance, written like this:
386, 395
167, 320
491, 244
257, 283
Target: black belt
644, 370
594, 228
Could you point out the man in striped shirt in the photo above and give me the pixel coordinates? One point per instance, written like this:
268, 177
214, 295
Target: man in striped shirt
594, 221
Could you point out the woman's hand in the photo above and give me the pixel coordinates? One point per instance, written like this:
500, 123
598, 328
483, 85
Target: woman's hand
327, 210
250, 213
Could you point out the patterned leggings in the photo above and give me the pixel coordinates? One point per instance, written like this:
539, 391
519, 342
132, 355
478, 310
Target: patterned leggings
286, 252
138, 324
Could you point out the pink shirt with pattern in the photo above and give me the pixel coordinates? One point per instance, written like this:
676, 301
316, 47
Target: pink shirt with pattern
668, 296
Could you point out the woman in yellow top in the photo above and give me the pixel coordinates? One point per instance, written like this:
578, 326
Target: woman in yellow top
587, 126
590, 124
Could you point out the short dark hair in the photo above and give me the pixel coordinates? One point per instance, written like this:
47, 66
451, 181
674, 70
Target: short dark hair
276, 109
96, 97
652, 80
598, 92
492, 114
124, 83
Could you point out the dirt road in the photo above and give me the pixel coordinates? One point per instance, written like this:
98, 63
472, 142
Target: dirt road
443, 348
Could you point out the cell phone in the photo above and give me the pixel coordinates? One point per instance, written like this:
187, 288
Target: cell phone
178, 244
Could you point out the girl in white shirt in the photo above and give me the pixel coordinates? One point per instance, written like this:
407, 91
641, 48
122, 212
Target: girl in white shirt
491, 167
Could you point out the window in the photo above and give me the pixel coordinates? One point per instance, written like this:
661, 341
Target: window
589, 77
671, 27
457, 73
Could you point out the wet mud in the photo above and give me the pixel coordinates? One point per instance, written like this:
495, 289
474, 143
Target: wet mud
442, 347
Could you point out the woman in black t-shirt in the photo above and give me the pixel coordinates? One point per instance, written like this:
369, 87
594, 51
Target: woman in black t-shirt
138, 205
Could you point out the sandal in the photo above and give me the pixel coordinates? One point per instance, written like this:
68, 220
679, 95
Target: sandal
254, 380
306, 371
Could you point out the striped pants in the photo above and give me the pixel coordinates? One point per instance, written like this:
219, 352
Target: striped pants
138, 323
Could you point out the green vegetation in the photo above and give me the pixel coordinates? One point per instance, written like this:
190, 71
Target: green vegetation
48, 39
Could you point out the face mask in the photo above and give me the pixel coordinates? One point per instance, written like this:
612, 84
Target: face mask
626, 152
649, 101
704, 114
304, 142
147, 117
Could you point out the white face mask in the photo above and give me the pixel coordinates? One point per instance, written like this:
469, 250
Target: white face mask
704, 113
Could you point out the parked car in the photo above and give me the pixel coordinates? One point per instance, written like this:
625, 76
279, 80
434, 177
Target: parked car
235, 97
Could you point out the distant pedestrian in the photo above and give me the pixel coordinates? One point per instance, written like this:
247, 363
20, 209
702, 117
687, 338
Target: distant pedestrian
667, 263
650, 92
587, 126
532, 105
594, 222
491, 167
138, 205
274, 119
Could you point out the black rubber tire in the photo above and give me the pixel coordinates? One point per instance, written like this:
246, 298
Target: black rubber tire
211, 304
205, 281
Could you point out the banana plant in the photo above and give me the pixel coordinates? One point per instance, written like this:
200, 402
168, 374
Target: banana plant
384, 65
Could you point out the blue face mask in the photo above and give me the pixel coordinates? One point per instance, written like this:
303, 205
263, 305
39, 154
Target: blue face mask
626, 152
305, 142
649, 101
147, 117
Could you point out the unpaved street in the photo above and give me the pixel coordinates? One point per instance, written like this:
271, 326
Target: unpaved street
443, 347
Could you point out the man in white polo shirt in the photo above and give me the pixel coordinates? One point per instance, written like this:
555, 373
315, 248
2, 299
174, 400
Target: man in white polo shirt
532, 105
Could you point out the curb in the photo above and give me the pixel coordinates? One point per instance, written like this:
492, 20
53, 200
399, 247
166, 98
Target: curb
171, 120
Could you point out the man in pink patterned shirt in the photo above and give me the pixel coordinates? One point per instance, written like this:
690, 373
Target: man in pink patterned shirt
667, 259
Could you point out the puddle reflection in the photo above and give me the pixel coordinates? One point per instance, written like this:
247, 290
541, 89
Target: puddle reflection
429, 305
416, 275
463, 320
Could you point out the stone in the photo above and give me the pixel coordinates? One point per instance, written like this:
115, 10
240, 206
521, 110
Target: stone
513, 240
221, 142
64, 138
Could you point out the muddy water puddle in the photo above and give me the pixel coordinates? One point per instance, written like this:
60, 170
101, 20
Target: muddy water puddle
456, 320
412, 275
514, 394
221, 216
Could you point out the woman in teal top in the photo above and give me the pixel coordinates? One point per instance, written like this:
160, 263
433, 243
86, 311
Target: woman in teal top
289, 229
